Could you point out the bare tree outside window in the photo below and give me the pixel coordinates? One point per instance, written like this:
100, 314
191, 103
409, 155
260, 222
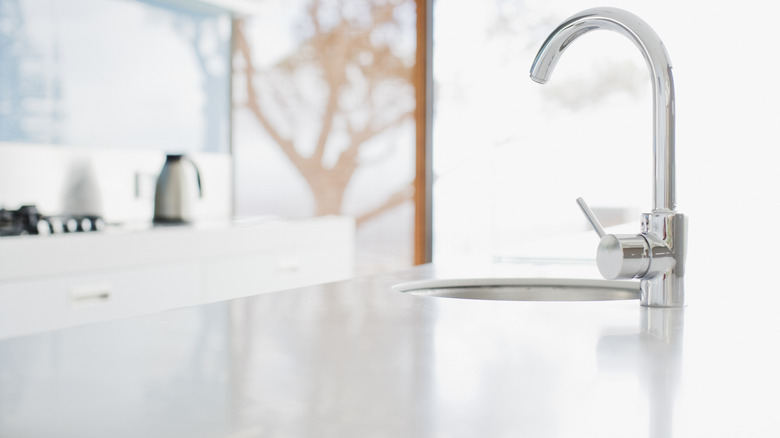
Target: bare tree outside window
340, 102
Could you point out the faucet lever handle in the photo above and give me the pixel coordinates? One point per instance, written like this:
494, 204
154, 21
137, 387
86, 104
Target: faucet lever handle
594, 222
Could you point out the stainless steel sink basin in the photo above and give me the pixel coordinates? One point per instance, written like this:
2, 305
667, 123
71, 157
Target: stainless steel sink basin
524, 289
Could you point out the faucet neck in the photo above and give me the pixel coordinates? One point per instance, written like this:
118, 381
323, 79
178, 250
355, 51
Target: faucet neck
660, 66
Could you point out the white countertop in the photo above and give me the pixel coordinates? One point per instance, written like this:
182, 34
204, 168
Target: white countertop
356, 359
142, 244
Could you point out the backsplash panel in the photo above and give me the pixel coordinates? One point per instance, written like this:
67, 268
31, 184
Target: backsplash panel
117, 184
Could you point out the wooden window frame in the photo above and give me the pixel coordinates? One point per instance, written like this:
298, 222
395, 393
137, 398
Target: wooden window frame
423, 79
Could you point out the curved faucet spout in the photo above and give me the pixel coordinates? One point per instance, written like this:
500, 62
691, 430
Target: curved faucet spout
657, 60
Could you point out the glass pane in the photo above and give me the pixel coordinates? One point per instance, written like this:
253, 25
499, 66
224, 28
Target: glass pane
129, 74
511, 156
324, 118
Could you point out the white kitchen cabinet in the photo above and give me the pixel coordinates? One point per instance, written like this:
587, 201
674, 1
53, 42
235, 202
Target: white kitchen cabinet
49, 282
28, 306
253, 274
282, 258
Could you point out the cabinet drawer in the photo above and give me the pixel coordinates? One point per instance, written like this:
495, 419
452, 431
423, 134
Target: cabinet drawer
38, 305
251, 274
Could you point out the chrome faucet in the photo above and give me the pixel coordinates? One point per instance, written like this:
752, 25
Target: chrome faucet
657, 254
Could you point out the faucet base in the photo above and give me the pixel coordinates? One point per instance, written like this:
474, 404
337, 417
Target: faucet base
666, 231
663, 290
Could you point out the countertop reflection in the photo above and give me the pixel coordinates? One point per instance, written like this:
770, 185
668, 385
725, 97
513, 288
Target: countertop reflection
356, 359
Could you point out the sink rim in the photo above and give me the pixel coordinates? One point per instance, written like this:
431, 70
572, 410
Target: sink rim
552, 289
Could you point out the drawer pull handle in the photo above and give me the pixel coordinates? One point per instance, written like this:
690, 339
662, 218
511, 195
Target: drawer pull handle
288, 266
90, 295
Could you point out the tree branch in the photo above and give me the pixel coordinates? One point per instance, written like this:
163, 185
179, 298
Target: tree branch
287, 145
404, 194
334, 73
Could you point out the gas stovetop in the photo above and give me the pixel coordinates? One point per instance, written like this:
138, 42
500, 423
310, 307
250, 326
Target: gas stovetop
28, 220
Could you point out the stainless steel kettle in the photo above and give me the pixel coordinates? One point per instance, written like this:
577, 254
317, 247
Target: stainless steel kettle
178, 188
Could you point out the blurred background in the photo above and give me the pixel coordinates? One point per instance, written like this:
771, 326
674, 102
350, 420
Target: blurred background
297, 109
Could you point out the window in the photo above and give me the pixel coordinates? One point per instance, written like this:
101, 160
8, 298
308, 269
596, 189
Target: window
324, 122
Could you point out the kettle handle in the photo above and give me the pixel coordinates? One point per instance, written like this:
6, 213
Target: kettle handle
197, 175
